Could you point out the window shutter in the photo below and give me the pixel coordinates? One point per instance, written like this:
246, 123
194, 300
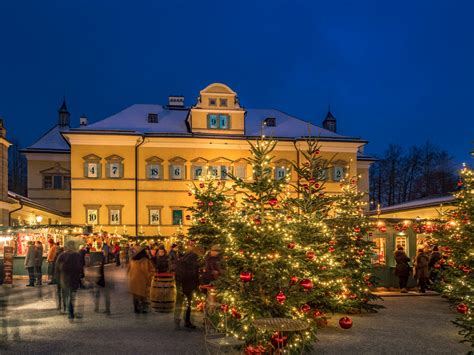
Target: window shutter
99, 170
121, 170
86, 170
107, 170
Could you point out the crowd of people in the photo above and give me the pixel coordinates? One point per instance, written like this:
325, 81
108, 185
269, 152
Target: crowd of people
66, 270
424, 268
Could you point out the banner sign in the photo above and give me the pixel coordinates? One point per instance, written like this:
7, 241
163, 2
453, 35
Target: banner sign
8, 265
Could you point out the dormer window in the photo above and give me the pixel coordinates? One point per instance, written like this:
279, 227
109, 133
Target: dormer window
212, 102
223, 102
152, 118
218, 121
270, 122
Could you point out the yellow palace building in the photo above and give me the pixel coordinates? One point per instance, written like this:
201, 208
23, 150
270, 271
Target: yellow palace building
131, 172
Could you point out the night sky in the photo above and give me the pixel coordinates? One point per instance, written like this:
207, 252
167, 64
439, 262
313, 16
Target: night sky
398, 71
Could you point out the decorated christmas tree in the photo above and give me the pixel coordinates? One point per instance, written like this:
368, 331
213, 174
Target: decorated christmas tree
209, 212
353, 250
456, 242
263, 277
312, 242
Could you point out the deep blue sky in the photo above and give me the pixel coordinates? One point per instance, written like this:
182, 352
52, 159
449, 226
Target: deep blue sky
400, 72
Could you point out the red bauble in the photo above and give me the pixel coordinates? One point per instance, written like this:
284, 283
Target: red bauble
317, 313
316, 151
357, 230
466, 269
312, 181
460, 183
236, 314
332, 242
289, 218
280, 297
200, 203
345, 322
307, 284
202, 220
224, 308
246, 276
188, 217
462, 308
383, 229
278, 340
332, 249
272, 201
255, 350
210, 203
257, 221
310, 255
293, 280
190, 194
291, 245
305, 308
437, 266
201, 185
316, 186
370, 234
361, 252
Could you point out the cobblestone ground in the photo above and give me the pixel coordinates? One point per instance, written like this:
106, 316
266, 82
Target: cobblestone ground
30, 323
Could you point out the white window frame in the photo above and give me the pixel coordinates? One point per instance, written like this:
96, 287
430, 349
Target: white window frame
88, 210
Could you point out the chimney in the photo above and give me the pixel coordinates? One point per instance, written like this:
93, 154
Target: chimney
83, 121
175, 101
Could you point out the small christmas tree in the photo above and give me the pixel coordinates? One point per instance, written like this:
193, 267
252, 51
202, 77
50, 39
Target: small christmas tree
353, 249
456, 241
209, 212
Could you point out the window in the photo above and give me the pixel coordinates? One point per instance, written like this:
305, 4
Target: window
92, 214
115, 215
338, 173
212, 102
240, 171
177, 168
92, 166
198, 171
223, 102
152, 118
212, 121
177, 216
48, 182
218, 121
380, 251
220, 171
92, 170
114, 167
270, 122
177, 172
154, 216
56, 182
223, 121
154, 168
401, 240
280, 172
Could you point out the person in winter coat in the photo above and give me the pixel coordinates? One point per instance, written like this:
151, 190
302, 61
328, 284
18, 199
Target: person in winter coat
30, 263
102, 287
117, 254
422, 271
402, 270
39, 262
213, 264
187, 280
173, 256
51, 259
69, 268
434, 258
140, 273
162, 260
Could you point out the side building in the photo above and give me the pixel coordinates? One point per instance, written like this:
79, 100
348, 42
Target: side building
131, 172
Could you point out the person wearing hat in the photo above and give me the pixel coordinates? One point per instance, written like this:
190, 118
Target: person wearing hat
140, 273
213, 264
173, 257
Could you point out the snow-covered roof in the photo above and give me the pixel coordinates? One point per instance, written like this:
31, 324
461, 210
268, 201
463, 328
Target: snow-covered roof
421, 203
135, 119
51, 140
172, 121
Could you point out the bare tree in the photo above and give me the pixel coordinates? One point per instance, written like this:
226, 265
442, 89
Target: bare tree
404, 175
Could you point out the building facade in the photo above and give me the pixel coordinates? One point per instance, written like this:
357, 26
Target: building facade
130, 173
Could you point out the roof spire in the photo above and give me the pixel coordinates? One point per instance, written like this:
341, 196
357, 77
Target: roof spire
329, 122
63, 107
63, 114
